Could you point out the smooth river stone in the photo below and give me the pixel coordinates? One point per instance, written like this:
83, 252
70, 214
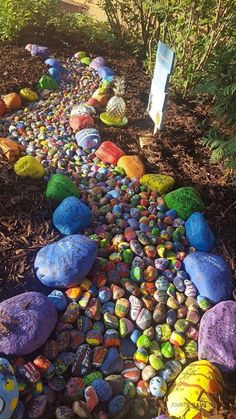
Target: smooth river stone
185, 201
158, 183
210, 274
31, 318
72, 216
65, 263
9, 392
199, 233
217, 336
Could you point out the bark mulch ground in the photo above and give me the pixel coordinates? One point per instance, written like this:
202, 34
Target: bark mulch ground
25, 215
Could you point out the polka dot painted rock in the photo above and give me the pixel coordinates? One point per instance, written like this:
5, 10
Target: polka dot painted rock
66, 262
185, 201
33, 318
194, 388
158, 183
60, 186
9, 392
132, 165
88, 138
199, 233
210, 274
72, 216
217, 337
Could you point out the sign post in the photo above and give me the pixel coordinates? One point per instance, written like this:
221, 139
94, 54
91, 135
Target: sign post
160, 82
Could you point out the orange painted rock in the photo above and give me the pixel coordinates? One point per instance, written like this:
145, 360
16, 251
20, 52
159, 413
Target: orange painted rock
78, 122
2, 108
109, 152
11, 148
12, 101
132, 165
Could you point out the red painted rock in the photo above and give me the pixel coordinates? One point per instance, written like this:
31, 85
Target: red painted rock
91, 398
75, 388
109, 152
78, 122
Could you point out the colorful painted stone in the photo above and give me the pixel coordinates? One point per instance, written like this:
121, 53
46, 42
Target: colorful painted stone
177, 338
47, 83
103, 390
79, 122
98, 356
194, 389
82, 361
142, 388
191, 349
91, 377
12, 101
9, 391
163, 332
64, 412
171, 370
122, 307
185, 201
144, 319
158, 183
37, 407
111, 338
167, 350
94, 338
158, 387
116, 405
141, 358
217, 337
113, 362
210, 274
84, 324
75, 388
129, 389
29, 166
135, 307
109, 152
74, 293
130, 372
71, 216
58, 299
33, 319
88, 138
148, 372
66, 262
159, 313
156, 362
60, 187
143, 342
125, 327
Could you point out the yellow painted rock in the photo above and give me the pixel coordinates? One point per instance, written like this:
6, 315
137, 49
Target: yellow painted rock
28, 95
192, 394
132, 165
158, 183
12, 100
29, 166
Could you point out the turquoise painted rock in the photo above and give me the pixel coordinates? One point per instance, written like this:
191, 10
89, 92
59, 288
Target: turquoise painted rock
72, 216
47, 83
29, 320
9, 392
199, 233
185, 201
65, 263
158, 183
55, 74
60, 186
210, 274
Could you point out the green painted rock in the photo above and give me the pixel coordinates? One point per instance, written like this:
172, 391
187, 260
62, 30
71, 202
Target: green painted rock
60, 187
47, 83
85, 60
185, 201
159, 183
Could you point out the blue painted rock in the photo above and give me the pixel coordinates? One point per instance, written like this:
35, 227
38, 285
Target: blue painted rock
38, 51
71, 216
199, 233
52, 62
31, 317
105, 72
97, 63
55, 74
103, 390
66, 262
58, 299
88, 138
9, 392
116, 405
210, 274
217, 336
113, 362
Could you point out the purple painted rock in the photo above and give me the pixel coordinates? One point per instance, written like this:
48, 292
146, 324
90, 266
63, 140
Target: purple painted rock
37, 407
31, 318
66, 262
217, 336
39, 51
210, 274
97, 63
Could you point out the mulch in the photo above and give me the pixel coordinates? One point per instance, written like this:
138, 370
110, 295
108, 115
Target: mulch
25, 215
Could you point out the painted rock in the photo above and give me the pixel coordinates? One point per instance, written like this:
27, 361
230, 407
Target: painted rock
9, 392
97, 62
78, 122
28, 95
158, 387
12, 101
88, 138
122, 307
37, 407
82, 361
93, 309
135, 307
116, 405
132, 165
99, 354
199, 233
116, 383
129, 389
83, 109
71, 216
32, 318
91, 398
210, 274
217, 336
58, 299
64, 412
194, 390
105, 72
53, 62
185, 201
113, 362
66, 262
38, 51
47, 83
125, 327
94, 338
141, 358
142, 388
144, 319
60, 186
85, 60
158, 183
55, 74
29, 166
109, 152
80, 409
75, 388
103, 390
148, 372
130, 372
127, 348
171, 370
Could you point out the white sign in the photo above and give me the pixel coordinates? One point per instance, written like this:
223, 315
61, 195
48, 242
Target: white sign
158, 94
